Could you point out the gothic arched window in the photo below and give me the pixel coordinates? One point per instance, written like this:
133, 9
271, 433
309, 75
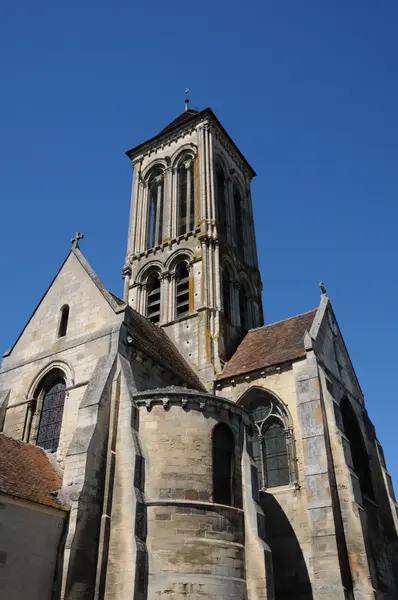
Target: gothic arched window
360, 458
221, 200
182, 289
272, 444
63, 322
52, 409
153, 297
226, 293
239, 221
185, 197
155, 215
223, 465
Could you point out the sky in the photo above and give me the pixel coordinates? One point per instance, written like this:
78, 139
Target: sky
307, 89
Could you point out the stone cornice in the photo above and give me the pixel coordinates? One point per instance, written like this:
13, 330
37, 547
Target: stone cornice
189, 400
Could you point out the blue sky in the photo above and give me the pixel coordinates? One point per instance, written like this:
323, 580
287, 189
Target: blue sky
308, 90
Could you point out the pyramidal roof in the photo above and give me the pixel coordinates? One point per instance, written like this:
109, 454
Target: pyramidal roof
182, 118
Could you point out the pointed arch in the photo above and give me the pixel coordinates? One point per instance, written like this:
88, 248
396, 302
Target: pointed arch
272, 440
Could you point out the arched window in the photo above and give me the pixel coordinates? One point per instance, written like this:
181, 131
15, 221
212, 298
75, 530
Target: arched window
221, 200
185, 197
239, 222
271, 441
52, 409
182, 289
360, 458
153, 298
155, 217
226, 293
223, 465
63, 322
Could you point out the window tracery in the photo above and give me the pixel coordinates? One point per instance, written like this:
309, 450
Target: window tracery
271, 441
52, 409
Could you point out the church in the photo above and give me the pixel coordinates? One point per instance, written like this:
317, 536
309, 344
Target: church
169, 445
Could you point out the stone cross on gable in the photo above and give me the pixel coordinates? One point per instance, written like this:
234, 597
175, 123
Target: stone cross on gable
75, 240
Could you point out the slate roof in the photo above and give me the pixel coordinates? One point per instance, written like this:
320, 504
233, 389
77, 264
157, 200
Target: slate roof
155, 342
183, 118
270, 345
26, 473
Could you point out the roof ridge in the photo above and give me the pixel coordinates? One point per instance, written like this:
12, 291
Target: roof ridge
307, 312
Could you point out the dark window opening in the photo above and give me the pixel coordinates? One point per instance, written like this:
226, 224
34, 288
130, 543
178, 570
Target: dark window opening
153, 291
186, 207
238, 222
221, 201
51, 416
226, 292
360, 458
63, 324
244, 308
155, 220
223, 465
182, 290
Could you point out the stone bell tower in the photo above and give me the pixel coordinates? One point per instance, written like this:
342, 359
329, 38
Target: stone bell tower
191, 264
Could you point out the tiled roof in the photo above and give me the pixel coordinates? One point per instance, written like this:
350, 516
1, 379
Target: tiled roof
155, 342
270, 345
26, 473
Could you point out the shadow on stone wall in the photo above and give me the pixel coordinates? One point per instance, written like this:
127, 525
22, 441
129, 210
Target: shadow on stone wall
291, 578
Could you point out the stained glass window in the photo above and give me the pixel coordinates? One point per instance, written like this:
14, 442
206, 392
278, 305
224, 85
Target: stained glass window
269, 442
51, 416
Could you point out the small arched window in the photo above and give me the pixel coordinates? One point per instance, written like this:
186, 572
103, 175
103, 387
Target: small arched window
360, 458
155, 217
63, 322
182, 289
51, 415
239, 221
271, 441
153, 298
221, 200
185, 197
226, 293
223, 465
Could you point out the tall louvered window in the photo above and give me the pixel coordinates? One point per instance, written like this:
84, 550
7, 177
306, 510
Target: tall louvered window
226, 292
153, 303
155, 217
182, 290
185, 197
221, 200
51, 416
239, 222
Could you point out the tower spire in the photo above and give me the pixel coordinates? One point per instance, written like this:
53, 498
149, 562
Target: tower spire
186, 99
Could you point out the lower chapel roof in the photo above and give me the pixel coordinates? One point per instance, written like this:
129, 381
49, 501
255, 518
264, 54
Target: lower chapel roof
270, 345
26, 473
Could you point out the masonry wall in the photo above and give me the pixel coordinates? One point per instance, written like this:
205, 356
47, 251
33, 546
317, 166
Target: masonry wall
195, 547
29, 540
39, 350
285, 508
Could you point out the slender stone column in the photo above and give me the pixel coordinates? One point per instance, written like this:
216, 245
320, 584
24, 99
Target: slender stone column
202, 176
159, 181
133, 208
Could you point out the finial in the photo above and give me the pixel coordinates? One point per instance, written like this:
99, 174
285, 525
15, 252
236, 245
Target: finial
323, 289
186, 100
75, 241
